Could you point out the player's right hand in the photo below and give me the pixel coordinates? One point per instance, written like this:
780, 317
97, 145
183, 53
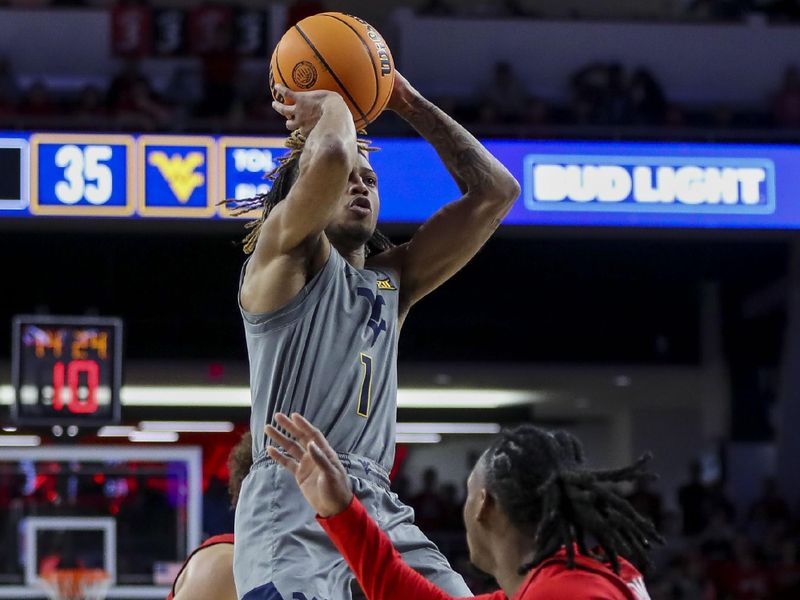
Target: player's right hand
316, 467
302, 110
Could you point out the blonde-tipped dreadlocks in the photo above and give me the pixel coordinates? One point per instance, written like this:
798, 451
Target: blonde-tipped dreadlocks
282, 178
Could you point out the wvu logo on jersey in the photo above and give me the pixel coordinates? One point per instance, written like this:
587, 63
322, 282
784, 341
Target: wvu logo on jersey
179, 172
376, 323
386, 284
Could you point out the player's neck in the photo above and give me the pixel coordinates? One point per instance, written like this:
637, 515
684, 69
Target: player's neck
355, 256
511, 553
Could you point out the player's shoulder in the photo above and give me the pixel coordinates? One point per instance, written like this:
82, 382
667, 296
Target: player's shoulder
223, 538
208, 574
389, 267
590, 580
388, 260
572, 584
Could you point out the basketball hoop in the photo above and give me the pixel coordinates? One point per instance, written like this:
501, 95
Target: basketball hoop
76, 584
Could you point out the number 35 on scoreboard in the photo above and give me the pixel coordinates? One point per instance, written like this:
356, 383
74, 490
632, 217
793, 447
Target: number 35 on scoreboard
82, 174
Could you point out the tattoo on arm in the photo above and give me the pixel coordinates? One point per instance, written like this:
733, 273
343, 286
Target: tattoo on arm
470, 164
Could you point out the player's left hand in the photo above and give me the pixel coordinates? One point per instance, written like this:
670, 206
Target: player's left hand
402, 91
316, 467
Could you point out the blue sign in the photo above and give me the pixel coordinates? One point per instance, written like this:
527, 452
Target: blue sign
86, 175
177, 176
245, 163
637, 184
564, 183
649, 184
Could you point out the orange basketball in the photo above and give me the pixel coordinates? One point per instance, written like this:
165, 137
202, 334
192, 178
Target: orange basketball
336, 52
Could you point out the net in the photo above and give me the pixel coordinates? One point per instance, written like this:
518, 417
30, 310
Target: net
76, 584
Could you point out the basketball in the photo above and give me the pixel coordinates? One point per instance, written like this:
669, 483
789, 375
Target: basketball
337, 52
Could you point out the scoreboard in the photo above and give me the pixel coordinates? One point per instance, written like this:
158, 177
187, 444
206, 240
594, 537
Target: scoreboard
564, 183
66, 370
147, 176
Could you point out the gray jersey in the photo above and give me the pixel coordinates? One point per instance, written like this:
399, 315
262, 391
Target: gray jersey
331, 355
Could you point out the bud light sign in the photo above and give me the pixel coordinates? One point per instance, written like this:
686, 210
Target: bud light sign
656, 184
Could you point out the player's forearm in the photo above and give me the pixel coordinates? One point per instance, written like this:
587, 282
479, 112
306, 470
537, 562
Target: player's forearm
471, 165
380, 570
334, 133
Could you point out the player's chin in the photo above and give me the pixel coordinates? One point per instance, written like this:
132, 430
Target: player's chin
363, 223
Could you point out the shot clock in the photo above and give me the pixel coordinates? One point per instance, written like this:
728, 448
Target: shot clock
66, 370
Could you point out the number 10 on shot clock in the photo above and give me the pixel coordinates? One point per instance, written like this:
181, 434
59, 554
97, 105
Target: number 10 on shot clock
66, 370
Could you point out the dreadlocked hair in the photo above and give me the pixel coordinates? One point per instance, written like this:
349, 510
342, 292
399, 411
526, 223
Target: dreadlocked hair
282, 179
539, 480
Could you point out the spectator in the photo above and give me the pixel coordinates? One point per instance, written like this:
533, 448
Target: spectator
693, 500
648, 102
38, 101
451, 504
90, 105
428, 504
718, 501
717, 539
786, 105
183, 92
220, 71
122, 85
616, 100
589, 88
139, 108
537, 113
505, 97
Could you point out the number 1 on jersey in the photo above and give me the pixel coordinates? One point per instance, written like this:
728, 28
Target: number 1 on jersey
365, 395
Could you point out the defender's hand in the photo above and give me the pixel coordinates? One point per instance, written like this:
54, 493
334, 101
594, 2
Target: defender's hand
302, 110
316, 467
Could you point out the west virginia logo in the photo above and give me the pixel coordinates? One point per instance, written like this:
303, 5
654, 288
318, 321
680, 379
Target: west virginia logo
376, 323
178, 171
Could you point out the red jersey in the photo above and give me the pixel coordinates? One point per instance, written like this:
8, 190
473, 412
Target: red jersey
225, 538
384, 575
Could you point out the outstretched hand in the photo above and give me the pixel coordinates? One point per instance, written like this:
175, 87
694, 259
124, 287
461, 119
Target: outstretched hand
316, 467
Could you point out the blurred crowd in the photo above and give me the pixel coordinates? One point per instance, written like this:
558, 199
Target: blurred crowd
698, 10
209, 97
216, 97
713, 552
609, 95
